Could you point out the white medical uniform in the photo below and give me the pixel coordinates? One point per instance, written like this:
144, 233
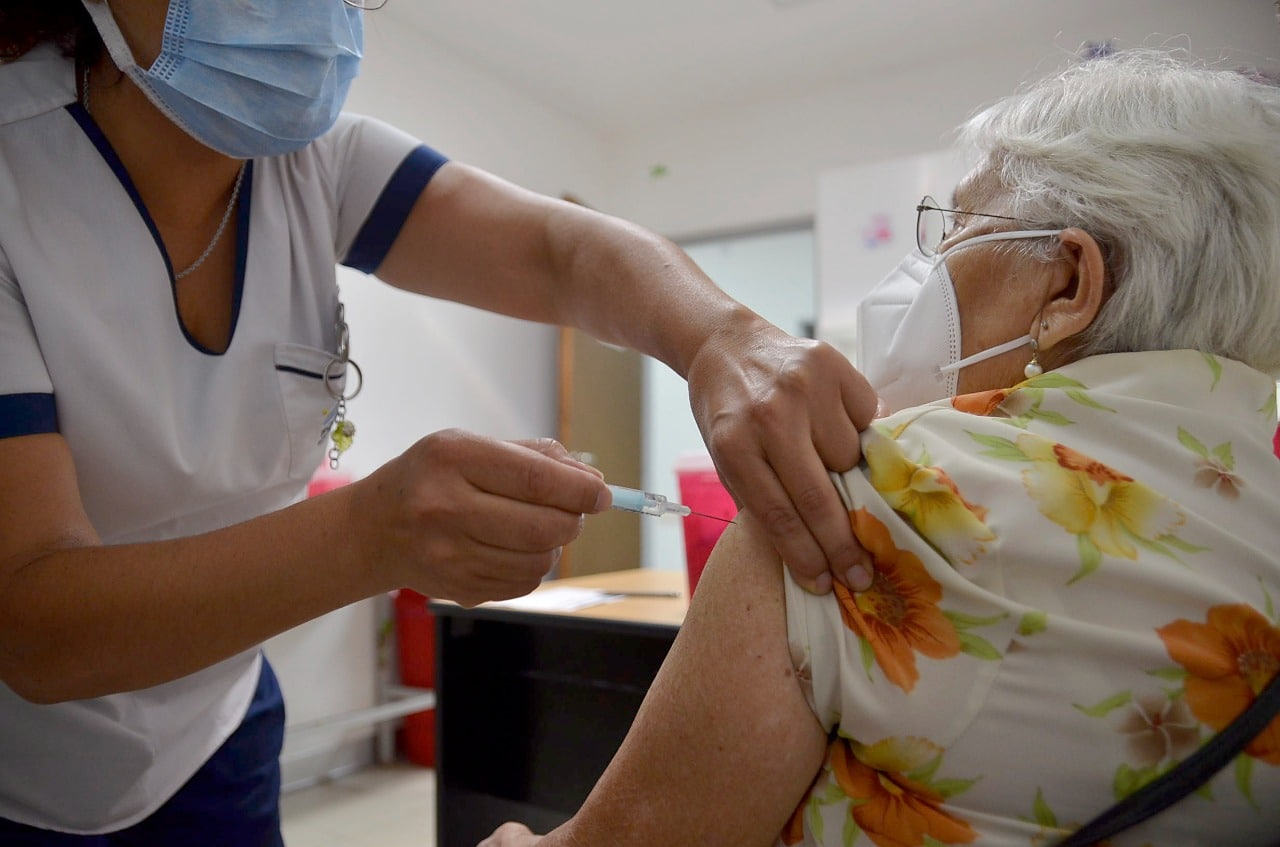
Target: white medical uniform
169, 439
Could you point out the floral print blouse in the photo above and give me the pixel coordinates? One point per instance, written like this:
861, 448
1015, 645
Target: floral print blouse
1076, 586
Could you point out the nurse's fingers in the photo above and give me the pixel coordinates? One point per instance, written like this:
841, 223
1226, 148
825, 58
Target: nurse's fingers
470, 518
539, 471
511, 835
517, 525
487, 574
838, 445
799, 508
838, 415
776, 460
554, 449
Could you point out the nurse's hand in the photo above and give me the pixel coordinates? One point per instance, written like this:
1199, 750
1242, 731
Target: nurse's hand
776, 413
511, 835
470, 519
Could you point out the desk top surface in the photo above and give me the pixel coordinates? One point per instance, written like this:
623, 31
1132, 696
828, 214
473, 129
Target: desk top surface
663, 611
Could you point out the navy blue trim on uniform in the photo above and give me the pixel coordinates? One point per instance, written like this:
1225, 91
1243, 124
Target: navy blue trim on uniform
299, 371
290, 369
233, 799
82, 117
244, 204
27, 414
383, 225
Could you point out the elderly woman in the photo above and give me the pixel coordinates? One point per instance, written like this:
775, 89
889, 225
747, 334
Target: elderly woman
1074, 523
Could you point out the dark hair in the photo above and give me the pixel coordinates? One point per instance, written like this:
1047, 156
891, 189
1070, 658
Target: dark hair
26, 23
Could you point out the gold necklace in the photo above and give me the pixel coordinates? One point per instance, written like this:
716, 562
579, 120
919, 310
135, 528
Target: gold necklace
226, 214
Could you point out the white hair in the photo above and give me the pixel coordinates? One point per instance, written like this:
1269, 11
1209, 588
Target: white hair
1174, 168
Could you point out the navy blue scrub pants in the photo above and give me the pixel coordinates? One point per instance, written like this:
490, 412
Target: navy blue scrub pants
232, 801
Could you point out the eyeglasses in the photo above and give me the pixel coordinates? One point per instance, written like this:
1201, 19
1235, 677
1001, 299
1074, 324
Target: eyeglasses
934, 224
366, 5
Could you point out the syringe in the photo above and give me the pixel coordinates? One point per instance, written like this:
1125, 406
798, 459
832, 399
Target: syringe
634, 500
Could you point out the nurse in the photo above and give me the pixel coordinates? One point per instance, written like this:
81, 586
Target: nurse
177, 183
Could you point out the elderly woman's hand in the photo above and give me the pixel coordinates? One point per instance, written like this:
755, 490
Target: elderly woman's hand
777, 412
511, 835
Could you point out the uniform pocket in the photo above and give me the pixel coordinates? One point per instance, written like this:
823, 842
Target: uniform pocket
310, 406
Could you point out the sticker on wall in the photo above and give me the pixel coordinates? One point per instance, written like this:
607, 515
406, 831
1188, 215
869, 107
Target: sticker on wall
878, 232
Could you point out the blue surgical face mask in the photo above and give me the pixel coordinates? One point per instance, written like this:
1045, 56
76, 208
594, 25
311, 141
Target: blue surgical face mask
247, 78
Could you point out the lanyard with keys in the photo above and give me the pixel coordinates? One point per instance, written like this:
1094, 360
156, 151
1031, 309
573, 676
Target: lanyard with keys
343, 431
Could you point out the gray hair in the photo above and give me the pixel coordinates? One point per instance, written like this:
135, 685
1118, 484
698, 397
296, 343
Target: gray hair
1174, 168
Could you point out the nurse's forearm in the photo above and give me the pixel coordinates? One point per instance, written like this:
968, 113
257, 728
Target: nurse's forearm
457, 515
476, 239
631, 287
86, 621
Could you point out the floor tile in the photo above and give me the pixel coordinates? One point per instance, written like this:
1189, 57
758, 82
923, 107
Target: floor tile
384, 806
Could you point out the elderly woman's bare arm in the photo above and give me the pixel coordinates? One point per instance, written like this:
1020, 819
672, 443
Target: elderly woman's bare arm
725, 744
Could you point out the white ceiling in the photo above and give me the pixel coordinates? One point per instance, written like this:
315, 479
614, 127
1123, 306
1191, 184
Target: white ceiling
615, 65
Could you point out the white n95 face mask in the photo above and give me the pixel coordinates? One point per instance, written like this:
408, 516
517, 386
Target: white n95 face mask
247, 78
908, 329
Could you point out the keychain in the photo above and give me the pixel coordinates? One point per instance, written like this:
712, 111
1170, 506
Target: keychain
342, 431
341, 435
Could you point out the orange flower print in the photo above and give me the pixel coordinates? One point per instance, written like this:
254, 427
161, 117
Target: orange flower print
898, 615
1087, 498
1019, 402
793, 832
1229, 659
891, 809
928, 498
983, 403
1026, 401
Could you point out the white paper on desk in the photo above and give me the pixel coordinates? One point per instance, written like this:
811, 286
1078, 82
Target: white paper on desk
562, 598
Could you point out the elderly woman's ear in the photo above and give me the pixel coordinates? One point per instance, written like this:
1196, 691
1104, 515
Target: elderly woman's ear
1078, 287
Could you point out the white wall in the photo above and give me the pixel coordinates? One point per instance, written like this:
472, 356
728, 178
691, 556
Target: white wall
432, 365
865, 224
743, 168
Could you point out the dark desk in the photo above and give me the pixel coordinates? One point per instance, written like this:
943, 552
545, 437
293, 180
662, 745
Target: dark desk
531, 706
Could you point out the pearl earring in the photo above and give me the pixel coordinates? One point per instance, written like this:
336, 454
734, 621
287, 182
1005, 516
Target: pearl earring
1033, 368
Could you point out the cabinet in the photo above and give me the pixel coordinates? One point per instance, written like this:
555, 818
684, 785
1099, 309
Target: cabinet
600, 418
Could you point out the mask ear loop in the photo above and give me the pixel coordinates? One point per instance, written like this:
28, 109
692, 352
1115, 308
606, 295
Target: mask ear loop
991, 353
1033, 368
